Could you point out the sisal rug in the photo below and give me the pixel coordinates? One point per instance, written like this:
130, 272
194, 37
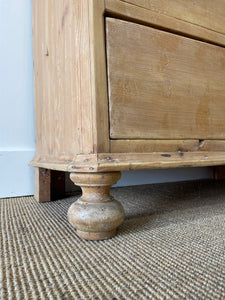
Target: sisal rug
171, 246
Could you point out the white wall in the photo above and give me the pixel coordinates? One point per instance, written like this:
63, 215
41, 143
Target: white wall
16, 112
16, 98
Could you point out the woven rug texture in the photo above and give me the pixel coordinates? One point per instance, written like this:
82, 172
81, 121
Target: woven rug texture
171, 246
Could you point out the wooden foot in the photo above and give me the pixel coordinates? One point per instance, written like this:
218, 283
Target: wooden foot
48, 184
95, 215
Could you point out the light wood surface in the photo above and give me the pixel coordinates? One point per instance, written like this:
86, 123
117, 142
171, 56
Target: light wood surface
105, 162
149, 88
127, 146
141, 146
138, 14
212, 145
62, 77
98, 76
205, 13
96, 215
42, 184
163, 86
71, 110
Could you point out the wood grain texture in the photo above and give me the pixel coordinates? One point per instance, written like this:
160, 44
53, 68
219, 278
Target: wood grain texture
163, 86
126, 146
107, 162
205, 13
48, 184
42, 184
96, 214
128, 11
69, 78
212, 145
98, 76
142, 146
71, 105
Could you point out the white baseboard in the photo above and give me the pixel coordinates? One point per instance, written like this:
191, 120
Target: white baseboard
16, 176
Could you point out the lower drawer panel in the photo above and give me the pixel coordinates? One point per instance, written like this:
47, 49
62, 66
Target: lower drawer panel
162, 85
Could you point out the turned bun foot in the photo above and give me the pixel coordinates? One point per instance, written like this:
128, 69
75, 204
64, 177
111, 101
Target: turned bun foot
96, 214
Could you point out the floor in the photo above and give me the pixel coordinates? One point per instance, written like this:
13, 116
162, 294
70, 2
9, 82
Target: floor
171, 246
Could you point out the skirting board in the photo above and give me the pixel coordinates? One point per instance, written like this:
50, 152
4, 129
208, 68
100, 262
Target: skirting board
16, 176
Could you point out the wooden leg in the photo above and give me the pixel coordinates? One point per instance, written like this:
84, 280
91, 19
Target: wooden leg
218, 172
48, 184
96, 215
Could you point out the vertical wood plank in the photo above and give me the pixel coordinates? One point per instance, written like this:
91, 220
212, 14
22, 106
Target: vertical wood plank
98, 76
62, 79
48, 184
42, 179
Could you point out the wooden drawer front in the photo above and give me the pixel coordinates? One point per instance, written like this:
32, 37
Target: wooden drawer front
162, 85
205, 13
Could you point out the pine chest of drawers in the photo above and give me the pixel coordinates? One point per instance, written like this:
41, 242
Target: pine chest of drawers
125, 85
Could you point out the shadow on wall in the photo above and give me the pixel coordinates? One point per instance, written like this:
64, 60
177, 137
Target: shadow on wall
141, 177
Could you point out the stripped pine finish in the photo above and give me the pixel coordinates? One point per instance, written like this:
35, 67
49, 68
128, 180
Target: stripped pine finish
124, 85
141, 15
205, 13
173, 90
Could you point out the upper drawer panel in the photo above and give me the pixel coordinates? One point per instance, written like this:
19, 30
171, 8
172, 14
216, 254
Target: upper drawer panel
206, 13
163, 86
